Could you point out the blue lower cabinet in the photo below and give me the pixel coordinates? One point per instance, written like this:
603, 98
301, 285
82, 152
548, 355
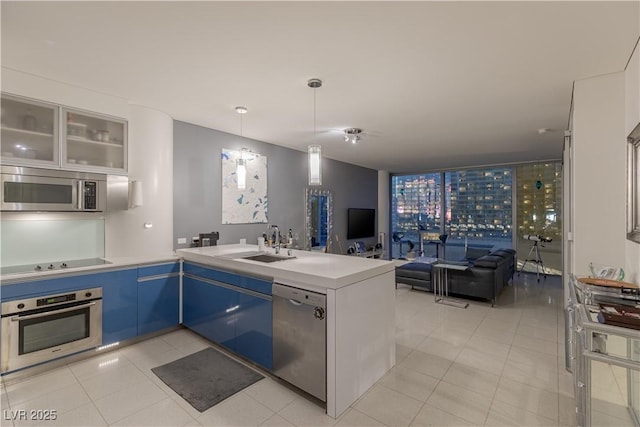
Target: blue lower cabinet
158, 304
119, 305
210, 310
254, 329
119, 298
236, 312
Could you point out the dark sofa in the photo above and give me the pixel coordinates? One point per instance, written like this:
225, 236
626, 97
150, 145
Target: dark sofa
485, 278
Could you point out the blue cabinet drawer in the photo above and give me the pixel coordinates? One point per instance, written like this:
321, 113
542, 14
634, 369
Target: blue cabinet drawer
256, 285
247, 282
60, 285
158, 270
210, 273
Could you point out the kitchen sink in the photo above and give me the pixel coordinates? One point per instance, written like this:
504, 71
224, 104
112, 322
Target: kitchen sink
260, 256
268, 258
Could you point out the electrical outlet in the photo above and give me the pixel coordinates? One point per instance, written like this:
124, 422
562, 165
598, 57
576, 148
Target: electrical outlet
182, 240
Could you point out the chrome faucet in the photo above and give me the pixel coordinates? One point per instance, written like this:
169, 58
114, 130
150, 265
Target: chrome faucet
276, 238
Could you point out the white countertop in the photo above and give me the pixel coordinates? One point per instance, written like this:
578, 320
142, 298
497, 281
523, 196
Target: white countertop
320, 270
316, 270
114, 263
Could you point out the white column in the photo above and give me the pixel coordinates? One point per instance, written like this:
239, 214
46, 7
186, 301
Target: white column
599, 172
384, 207
150, 162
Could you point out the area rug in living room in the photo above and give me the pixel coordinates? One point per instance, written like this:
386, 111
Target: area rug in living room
207, 377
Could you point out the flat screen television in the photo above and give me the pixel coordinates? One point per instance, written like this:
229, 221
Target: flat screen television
361, 223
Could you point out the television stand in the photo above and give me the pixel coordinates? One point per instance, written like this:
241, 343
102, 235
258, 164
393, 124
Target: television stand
372, 253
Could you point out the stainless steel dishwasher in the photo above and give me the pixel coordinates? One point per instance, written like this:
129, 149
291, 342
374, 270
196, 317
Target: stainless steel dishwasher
300, 338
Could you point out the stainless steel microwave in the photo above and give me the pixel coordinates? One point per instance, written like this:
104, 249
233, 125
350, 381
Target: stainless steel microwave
48, 190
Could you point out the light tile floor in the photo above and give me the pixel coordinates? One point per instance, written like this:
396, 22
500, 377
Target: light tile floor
480, 366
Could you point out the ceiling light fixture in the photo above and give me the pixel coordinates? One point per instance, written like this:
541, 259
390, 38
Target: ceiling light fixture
241, 163
314, 150
352, 135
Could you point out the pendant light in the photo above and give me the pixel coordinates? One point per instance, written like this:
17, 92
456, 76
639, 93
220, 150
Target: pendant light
314, 150
241, 163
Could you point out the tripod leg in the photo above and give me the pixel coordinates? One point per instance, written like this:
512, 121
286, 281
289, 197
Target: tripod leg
526, 260
537, 261
539, 258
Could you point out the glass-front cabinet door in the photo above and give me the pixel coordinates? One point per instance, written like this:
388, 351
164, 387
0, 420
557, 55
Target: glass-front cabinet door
93, 140
29, 132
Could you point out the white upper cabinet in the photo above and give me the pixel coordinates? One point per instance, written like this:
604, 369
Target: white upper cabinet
40, 134
29, 132
92, 140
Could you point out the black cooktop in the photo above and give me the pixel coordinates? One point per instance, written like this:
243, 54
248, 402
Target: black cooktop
48, 266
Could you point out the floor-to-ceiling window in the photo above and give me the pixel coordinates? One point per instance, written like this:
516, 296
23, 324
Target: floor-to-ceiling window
472, 207
475, 208
539, 215
479, 209
415, 207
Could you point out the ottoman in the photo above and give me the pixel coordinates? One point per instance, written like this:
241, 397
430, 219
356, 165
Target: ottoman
416, 274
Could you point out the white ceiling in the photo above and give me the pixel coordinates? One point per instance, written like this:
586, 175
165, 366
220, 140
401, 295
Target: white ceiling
433, 84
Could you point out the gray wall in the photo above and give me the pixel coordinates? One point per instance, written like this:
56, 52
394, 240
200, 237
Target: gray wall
198, 181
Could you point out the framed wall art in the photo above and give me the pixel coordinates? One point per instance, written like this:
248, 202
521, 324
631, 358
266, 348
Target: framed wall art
244, 187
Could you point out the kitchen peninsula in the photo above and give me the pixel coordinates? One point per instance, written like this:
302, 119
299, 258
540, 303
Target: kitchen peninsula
360, 309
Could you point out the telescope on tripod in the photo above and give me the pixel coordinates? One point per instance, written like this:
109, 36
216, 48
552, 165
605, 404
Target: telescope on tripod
537, 240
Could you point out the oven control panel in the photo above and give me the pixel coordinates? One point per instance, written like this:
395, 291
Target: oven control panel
77, 297
55, 300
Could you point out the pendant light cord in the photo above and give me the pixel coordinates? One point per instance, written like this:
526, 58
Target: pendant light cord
314, 84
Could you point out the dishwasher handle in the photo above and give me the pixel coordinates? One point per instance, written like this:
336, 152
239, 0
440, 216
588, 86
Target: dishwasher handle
298, 296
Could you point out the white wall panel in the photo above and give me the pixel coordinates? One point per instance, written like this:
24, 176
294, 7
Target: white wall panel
384, 204
151, 162
599, 175
364, 333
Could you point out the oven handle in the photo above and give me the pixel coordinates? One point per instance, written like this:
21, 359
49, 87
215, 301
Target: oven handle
49, 313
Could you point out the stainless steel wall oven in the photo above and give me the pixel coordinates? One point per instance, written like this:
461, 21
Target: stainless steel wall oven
39, 329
